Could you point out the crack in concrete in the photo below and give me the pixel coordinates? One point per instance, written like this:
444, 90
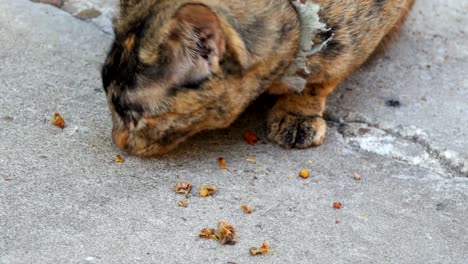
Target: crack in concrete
451, 167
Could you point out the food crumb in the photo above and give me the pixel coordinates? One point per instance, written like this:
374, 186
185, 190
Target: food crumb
222, 163
304, 174
58, 121
357, 177
119, 159
207, 190
310, 162
183, 187
337, 205
226, 234
250, 137
251, 159
263, 250
246, 209
183, 203
208, 233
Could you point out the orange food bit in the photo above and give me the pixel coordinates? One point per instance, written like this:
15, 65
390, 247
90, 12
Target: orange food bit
337, 205
222, 163
208, 233
182, 187
58, 121
304, 174
251, 159
183, 203
246, 209
263, 250
226, 234
250, 137
207, 190
119, 159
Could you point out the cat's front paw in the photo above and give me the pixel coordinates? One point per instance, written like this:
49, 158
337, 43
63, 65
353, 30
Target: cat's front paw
293, 130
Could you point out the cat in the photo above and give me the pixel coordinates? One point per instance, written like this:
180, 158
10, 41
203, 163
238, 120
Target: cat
179, 67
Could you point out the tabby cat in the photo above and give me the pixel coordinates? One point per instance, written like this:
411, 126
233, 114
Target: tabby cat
178, 67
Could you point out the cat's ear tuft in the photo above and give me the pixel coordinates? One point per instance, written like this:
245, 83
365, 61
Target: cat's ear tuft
205, 26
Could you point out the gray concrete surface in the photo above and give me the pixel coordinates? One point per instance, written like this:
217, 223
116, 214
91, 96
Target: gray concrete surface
63, 199
107, 8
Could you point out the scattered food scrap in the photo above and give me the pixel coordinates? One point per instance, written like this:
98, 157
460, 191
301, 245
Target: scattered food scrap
58, 121
183, 187
246, 209
208, 233
310, 162
263, 250
337, 205
251, 159
357, 177
304, 174
222, 163
250, 137
183, 203
119, 159
207, 190
226, 233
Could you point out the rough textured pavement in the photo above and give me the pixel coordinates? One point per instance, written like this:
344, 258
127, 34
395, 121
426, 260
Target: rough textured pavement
63, 199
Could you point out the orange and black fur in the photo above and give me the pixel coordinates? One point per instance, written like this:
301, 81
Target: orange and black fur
178, 67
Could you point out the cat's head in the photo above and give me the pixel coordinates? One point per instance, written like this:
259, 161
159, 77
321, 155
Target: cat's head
159, 73
157, 51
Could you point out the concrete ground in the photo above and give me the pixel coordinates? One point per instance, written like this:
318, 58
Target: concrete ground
400, 122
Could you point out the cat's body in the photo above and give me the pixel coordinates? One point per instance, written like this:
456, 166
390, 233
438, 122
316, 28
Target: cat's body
181, 67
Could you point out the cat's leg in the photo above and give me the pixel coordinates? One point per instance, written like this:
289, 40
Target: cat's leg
296, 120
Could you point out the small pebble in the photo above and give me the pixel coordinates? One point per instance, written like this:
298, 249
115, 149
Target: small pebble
88, 14
8, 119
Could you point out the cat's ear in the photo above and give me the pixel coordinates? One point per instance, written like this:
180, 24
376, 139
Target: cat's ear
195, 44
204, 26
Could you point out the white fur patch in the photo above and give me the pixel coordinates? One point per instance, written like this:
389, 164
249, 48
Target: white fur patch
310, 25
